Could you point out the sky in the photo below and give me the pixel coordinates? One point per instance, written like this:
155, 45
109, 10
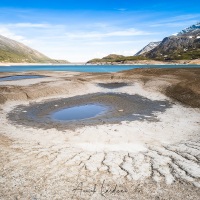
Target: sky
78, 31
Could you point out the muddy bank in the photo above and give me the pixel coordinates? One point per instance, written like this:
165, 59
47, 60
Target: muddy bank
182, 85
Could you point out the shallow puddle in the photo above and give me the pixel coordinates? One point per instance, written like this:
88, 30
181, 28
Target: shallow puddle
20, 77
79, 112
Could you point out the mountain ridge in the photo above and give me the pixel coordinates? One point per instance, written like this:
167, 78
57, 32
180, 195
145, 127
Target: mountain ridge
12, 51
182, 47
190, 29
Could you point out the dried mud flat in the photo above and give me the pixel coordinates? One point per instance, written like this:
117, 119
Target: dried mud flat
139, 159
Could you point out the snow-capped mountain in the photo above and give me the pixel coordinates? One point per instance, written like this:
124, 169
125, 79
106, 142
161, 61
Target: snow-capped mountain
182, 46
185, 45
190, 29
147, 48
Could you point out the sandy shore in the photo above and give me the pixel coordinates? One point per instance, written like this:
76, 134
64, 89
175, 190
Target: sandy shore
127, 159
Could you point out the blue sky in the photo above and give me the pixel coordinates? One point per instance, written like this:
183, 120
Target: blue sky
81, 30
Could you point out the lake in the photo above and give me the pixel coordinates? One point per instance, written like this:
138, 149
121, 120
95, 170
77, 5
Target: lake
86, 68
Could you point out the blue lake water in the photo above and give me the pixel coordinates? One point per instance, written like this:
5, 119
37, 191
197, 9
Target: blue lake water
78, 112
87, 68
14, 78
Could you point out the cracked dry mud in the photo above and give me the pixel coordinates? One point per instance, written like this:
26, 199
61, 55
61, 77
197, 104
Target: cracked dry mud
54, 172
129, 160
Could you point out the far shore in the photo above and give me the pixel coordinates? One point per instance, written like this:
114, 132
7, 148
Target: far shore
150, 62
138, 62
35, 64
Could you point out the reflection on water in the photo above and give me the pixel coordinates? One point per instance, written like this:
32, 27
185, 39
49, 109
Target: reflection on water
79, 112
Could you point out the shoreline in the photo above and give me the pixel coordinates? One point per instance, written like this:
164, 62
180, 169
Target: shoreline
36, 64
141, 62
152, 62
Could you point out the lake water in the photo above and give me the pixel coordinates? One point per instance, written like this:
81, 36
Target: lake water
86, 68
78, 112
14, 78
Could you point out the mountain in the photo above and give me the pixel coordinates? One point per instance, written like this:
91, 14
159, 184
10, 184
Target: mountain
109, 58
114, 58
190, 29
182, 46
16, 52
147, 48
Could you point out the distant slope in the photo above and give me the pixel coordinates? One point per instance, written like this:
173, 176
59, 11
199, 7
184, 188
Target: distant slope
183, 46
114, 58
109, 58
16, 52
147, 48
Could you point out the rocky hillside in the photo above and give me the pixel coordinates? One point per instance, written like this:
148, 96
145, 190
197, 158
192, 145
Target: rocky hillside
147, 48
183, 46
16, 52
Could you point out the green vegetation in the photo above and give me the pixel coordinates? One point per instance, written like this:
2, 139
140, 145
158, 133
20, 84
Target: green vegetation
13, 57
6, 56
113, 58
190, 54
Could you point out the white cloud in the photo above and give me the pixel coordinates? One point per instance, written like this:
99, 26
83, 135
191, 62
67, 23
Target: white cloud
172, 24
177, 21
9, 34
54, 42
183, 17
126, 53
119, 42
29, 25
127, 32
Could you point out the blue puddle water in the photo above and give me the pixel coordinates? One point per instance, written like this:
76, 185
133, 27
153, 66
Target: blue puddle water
79, 112
20, 77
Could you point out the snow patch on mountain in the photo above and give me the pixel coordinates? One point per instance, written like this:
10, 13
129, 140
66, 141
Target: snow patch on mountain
148, 48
